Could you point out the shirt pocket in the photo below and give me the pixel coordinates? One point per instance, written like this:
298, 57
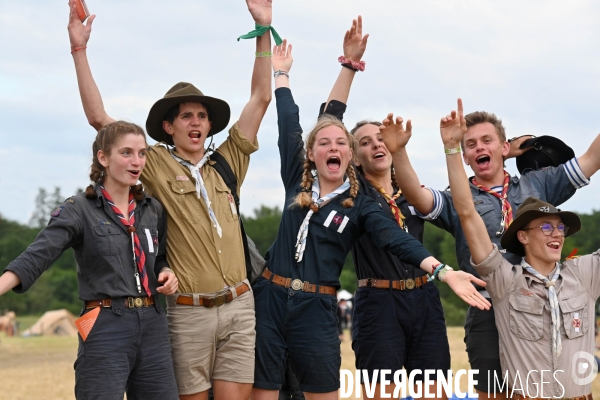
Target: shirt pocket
574, 314
227, 203
149, 238
526, 317
107, 240
187, 201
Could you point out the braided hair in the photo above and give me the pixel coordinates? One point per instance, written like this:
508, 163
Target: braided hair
105, 140
304, 198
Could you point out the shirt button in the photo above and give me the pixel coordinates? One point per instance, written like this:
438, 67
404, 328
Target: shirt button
292, 293
181, 190
119, 312
219, 251
214, 225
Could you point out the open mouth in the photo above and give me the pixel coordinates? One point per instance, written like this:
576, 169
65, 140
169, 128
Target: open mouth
334, 163
482, 159
379, 156
554, 245
134, 173
195, 134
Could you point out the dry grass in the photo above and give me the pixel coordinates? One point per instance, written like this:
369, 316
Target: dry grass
42, 367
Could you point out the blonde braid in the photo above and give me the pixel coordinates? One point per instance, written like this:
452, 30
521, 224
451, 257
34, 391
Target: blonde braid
349, 202
394, 183
304, 198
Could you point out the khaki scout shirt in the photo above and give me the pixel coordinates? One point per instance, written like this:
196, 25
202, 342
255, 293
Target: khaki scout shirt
522, 311
202, 261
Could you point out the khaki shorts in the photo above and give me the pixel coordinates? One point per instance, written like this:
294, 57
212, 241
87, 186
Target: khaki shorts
212, 343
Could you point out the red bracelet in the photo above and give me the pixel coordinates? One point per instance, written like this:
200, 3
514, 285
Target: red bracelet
77, 49
355, 65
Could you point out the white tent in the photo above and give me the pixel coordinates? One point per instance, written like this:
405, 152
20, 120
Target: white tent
344, 295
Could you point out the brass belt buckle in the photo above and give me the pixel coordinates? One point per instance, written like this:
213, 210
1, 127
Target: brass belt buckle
138, 302
410, 283
219, 300
297, 284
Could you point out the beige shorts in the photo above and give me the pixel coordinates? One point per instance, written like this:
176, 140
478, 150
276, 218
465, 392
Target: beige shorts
212, 343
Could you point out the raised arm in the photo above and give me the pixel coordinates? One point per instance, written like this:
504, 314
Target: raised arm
452, 129
260, 89
395, 138
8, 281
79, 35
355, 45
590, 160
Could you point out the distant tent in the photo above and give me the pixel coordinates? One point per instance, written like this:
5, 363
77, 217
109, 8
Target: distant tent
344, 295
57, 322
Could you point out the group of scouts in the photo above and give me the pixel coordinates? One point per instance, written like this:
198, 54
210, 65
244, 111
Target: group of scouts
345, 191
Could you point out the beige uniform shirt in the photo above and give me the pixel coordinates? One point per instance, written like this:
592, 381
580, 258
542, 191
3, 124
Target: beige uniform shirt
524, 323
202, 261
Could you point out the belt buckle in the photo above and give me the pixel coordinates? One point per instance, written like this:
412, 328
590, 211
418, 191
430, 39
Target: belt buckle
297, 284
138, 302
219, 300
410, 283
371, 282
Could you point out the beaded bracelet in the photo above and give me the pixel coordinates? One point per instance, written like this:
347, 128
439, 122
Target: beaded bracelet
280, 72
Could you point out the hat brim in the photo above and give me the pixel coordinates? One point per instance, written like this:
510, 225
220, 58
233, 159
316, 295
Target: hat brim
219, 114
510, 242
547, 151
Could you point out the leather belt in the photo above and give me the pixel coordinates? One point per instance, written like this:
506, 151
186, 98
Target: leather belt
213, 301
130, 302
407, 284
518, 396
297, 284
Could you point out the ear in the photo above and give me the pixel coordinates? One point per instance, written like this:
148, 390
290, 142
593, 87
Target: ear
102, 158
168, 128
310, 155
522, 236
505, 149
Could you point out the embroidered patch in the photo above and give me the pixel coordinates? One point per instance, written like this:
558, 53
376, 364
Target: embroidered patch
103, 222
544, 209
337, 219
527, 293
182, 178
70, 200
576, 323
155, 241
57, 212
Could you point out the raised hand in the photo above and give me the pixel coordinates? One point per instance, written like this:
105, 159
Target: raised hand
281, 58
515, 146
355, 43
79, 34
462, 284
453, 127
261, 11
393, 133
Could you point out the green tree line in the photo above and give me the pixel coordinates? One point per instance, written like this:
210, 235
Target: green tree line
57, 288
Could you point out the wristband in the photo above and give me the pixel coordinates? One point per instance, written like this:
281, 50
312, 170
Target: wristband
77, 49
260, 30
435, 269
452, 151
279, 73
443, 272
263, 54
354, 65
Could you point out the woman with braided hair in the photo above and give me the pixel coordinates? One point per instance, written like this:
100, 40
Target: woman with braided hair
324, 216
118, 234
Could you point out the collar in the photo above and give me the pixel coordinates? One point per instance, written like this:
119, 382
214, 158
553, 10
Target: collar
100, 198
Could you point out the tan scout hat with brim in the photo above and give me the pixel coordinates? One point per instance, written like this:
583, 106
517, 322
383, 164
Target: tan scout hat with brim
183, 92
531, 209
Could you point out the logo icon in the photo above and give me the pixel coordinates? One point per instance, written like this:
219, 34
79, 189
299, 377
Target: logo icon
583, 368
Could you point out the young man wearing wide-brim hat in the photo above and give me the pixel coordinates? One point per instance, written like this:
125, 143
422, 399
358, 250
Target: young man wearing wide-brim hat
212, 321
544, 309
496, 196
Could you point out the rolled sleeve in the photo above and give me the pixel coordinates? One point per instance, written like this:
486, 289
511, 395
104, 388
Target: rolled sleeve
241, 141
438, 205
575, 175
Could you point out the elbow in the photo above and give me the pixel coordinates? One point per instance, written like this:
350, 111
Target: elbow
96, 124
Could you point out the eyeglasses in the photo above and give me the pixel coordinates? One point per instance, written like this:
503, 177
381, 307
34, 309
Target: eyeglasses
547, 229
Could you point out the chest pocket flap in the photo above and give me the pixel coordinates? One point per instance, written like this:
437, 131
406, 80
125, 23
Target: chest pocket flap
186, 203
107, 240
574, 311
483, 208
183, 187
526, 317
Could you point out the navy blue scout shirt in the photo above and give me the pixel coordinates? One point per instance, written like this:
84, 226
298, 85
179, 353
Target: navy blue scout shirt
334, 229
369, 260
103, 248
554, 185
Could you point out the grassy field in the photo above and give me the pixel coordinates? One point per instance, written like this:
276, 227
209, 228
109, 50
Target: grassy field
42, 367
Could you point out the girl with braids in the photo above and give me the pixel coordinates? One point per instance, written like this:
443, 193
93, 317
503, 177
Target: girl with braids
323, 217
118, 234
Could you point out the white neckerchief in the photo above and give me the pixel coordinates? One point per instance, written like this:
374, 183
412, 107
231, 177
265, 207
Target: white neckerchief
554, 309
303, 232
200, 189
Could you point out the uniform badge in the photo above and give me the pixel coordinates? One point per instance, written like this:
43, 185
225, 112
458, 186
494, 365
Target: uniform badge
70, 200
103, 222
527, 293
337, 219
182, 178
57, 212
576, 322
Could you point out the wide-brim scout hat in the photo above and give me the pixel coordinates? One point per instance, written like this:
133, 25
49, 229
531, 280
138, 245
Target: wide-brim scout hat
183, 92
547, 151
531, 209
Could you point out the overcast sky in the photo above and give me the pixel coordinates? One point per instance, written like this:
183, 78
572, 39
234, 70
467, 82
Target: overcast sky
536, 64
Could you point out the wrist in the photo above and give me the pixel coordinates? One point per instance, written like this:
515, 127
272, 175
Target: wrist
166, 269
449, 150
77, 48
442, 273
281, 72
